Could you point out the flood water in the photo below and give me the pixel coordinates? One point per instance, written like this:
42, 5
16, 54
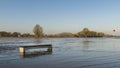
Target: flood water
67, 53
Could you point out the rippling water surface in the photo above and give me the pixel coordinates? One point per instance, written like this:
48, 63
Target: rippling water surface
67, 53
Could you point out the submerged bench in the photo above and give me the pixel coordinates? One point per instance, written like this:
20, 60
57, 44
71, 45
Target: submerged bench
23, 48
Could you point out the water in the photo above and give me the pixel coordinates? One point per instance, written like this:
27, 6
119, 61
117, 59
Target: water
67, 53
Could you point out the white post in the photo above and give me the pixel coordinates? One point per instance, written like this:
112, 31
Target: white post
22, 51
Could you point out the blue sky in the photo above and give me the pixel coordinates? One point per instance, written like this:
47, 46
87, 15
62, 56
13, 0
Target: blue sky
56, 16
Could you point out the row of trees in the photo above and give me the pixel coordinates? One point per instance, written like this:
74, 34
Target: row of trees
87, 33
14, 34
84, 33
38, 32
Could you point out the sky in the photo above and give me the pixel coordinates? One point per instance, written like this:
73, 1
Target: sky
56, 16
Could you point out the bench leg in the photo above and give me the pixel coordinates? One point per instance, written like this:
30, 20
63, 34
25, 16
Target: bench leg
49, 49
22, 51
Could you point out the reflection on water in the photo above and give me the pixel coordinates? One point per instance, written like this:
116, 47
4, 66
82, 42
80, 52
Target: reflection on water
34, 54
38, 40
86, 45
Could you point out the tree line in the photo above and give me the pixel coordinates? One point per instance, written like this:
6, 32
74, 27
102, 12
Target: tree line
14, 34
38, 32
84, 33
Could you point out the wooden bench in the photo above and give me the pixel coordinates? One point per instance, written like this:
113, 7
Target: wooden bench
23, 48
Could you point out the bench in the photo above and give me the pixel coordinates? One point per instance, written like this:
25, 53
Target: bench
22, 49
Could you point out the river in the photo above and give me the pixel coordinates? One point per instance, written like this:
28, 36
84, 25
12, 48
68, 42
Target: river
67, 53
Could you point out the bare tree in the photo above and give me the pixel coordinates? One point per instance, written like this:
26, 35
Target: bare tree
38, 31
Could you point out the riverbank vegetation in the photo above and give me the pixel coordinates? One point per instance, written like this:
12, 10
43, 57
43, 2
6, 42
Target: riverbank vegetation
38, 32
84, 33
